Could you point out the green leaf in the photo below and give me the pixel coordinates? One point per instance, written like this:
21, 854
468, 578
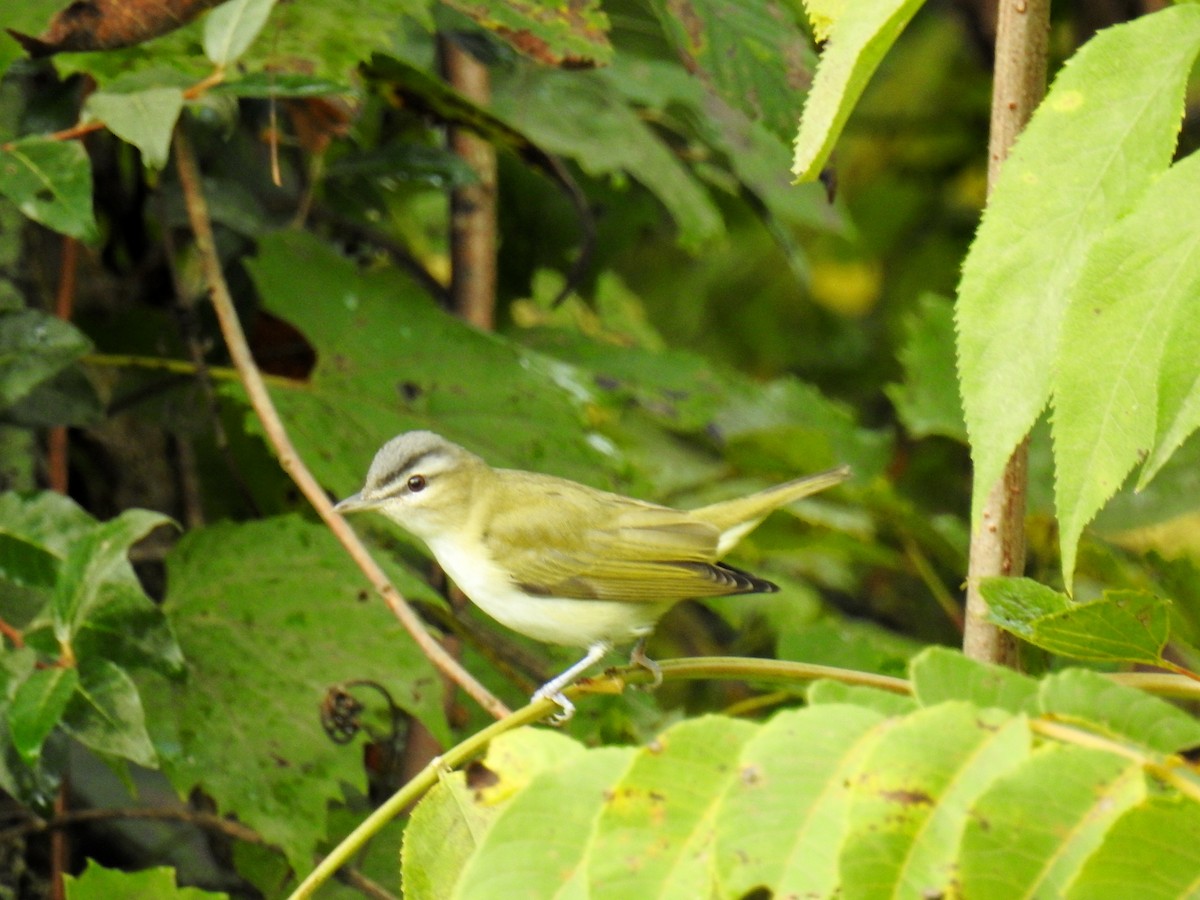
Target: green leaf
654, 838
231, 28
270, 614
93, 564
1077, 793
145, 118
849, 644
927, 401
1098, 703
1107, 127
912, 798
800, 428
783, 819
99, 883
44, 546
51, 183
384, 355
578, 115
539, 844
1152, 853
558, 34
454, 822
822, 14
1123, 626
27, 17
863, 33
751, 53
34, 347
939, 674
1137, 280
106, 714
37, 708
24, 563
826, 691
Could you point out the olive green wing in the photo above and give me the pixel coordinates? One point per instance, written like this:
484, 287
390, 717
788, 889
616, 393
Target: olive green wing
593, 545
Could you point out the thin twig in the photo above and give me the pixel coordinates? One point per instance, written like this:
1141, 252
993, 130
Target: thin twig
998, 544
208, 821
260, 400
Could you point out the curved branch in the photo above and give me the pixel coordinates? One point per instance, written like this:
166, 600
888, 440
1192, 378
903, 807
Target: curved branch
289, 459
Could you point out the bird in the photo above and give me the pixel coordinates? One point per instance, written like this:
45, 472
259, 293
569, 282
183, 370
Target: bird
559, 561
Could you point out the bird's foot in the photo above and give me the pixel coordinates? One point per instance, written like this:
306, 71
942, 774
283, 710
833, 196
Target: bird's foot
639, 658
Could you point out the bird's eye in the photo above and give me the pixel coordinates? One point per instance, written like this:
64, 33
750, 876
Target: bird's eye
416, 483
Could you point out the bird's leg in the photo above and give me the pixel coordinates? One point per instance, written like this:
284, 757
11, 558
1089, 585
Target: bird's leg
552, 689
639, 658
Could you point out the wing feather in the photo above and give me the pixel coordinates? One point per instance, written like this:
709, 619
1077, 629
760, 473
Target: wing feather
594, 545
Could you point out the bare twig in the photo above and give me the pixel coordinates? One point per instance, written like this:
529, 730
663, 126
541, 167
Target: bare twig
260, 400
998, 544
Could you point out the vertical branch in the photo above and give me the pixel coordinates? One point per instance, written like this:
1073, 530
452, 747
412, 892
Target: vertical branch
472, 206
57, 470
289, 459
998, 544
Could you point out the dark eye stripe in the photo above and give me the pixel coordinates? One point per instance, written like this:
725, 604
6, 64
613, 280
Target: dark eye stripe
395, 479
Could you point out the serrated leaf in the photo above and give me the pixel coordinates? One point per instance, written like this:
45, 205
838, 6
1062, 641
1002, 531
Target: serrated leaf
382, 368
231, 28
539, 844
105, 713
863, 33
750, 53
654, 837
99, 883
558, 34
34, 347
440, 837
1137, 279
270, 614
51, 183
1077, 792
36, 708
1124, 626
783, 820
145, 119
1152, 853
1097, 703
927, 401
822, 14
912, 797
454, 821
939, 674
93, 563
1107, 127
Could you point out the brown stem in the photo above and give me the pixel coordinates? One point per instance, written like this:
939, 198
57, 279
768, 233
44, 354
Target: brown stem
260, 400
64, 303
998, 544
472, 206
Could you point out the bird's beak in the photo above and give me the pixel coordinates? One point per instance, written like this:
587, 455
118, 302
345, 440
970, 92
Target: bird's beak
353, 503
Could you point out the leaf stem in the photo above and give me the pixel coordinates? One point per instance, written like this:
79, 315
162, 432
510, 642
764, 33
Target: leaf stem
273, 427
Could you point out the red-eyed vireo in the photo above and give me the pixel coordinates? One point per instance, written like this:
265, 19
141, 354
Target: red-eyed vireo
559, 561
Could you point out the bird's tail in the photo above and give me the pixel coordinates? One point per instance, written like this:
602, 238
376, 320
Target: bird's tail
737, 517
